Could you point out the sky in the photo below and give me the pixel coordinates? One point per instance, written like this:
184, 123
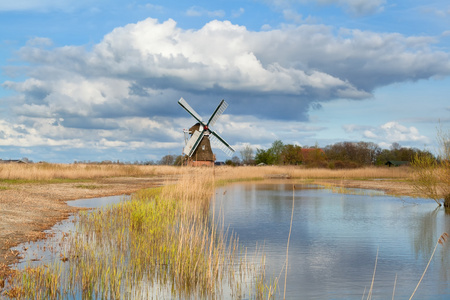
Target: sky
94, 80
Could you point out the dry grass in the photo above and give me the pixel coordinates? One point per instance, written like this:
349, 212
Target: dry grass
253, 172
45, 171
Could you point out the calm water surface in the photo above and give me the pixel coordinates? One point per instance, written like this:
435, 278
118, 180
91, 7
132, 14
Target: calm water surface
335, 239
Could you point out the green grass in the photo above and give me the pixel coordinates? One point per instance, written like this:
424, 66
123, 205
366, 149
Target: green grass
161, 241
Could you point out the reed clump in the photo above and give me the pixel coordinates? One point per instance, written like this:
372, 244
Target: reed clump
162, 242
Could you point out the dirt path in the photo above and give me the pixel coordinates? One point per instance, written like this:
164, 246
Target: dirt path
26, 210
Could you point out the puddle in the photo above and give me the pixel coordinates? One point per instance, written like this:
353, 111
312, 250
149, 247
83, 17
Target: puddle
98, 202
50, 249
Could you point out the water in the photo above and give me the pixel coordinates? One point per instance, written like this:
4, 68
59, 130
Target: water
98, 202
335, 239
46, 251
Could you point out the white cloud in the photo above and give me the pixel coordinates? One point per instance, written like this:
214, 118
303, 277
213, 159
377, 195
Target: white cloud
154, 7
39, 41
304, 61
388, 133
395, 132
349, 128
238, 13
293, 16
196, 11
369, 134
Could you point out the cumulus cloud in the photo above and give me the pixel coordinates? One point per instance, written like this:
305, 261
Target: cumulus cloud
139, 71
395, 132
299, 65
388, 133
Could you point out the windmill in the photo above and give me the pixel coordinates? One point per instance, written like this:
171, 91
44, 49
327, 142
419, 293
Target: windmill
198, 147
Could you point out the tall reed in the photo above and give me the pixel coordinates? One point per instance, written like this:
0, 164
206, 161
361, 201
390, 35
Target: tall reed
162, 242
47, 171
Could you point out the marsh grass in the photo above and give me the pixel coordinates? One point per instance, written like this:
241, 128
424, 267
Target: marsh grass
46, 171
24, 173
233, 174
161, 242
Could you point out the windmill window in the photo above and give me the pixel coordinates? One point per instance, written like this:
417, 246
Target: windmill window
203, 147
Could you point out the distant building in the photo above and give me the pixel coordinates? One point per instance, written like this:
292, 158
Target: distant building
12, 161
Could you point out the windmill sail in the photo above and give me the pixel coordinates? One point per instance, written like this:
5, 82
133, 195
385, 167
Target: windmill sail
202, 131
193, 143
217, 113
190, 110
220, 142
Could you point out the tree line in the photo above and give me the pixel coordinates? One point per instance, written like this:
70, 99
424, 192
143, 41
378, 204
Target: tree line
336, 156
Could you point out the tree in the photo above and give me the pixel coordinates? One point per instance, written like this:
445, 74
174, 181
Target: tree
168, 160
395, 146
247, 155
236, 161
178, 160
431, 177
264, 156
277, 148
291, 155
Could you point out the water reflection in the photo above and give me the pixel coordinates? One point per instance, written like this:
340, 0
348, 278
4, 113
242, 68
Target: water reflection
335, 238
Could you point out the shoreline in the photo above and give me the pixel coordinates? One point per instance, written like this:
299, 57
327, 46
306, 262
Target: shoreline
27, 210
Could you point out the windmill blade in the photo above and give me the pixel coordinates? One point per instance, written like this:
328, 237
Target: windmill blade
190, 110
217, 113
193, 142
221, 143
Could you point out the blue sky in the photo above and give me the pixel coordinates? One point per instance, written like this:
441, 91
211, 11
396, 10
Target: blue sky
100, 80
